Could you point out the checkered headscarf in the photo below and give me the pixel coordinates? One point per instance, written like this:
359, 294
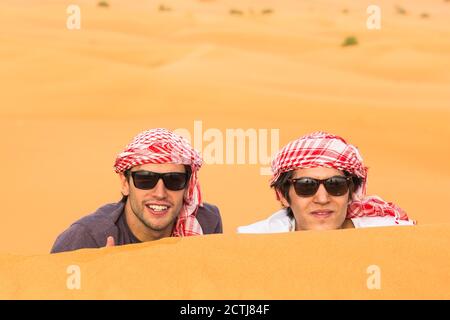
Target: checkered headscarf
321, 149
163, 146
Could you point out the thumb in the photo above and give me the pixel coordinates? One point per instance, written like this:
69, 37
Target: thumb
110, 242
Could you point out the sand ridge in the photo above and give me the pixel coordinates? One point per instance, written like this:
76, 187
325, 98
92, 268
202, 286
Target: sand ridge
72, 99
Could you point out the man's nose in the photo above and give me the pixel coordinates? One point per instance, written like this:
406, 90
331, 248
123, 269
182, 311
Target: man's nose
159, 191
321, 195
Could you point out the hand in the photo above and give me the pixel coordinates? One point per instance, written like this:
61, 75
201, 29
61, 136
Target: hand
110, 242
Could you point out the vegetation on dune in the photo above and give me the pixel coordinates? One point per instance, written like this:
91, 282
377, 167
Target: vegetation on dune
236, 12
400, 10
163, 7
350, 41
103, 4
251, 12
267, 11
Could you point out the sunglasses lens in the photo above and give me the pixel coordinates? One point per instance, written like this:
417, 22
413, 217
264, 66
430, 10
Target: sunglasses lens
336, 186
175, 181
145, 180
306, 187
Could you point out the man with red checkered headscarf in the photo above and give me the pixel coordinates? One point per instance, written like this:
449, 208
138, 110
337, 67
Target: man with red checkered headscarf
321, 182
161, 193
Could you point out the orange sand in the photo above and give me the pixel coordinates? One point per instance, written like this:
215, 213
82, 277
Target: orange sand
70, 100
412, 264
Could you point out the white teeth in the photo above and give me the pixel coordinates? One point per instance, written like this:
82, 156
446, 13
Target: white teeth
157, 208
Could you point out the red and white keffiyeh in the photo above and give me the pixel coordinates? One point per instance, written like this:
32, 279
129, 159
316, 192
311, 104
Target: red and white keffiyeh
321, 149
163, 146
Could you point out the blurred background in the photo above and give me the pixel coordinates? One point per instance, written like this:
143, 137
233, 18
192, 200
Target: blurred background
71, 99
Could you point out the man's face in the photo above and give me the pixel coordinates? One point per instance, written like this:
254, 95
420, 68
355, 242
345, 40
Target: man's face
321, 211
156, 210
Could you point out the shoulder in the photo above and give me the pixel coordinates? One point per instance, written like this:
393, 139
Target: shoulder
73, 238
103, 216
208, 209
367, 222
208, 215
277, 222
89, 231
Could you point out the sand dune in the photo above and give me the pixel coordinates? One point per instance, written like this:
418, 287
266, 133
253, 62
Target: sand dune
410, 263
71, 100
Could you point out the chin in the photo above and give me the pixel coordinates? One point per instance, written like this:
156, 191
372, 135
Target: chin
324, 227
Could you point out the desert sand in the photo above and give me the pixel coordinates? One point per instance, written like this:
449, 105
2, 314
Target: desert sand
297, 265
72, 99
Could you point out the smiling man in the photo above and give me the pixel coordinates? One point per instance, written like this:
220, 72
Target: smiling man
321, 181
160, 197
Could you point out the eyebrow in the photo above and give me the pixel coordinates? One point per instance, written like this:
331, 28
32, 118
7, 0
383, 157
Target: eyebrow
142, 170
321, 178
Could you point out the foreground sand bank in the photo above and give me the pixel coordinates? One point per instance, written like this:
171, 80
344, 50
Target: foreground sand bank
70, 100
412, 263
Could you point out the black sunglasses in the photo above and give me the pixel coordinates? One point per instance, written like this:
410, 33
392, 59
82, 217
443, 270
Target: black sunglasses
147, 180
335, 186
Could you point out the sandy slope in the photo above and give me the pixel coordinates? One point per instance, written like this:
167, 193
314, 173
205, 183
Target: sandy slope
70, 100
410, 263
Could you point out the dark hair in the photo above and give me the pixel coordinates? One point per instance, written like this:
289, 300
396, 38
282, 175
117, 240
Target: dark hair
126, 173
283, 185
356, 183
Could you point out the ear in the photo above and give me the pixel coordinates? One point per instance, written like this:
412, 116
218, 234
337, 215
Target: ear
282, 199
124, 185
